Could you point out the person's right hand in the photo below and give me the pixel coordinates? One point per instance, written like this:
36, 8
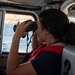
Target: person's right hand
21, 29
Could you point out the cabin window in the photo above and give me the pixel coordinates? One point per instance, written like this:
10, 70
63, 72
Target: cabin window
12, 19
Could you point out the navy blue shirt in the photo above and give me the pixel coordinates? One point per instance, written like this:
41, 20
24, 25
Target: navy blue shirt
47, 63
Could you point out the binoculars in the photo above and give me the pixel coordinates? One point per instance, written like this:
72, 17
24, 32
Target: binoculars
31, 27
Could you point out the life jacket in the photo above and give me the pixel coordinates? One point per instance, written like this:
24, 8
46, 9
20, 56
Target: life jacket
56, 48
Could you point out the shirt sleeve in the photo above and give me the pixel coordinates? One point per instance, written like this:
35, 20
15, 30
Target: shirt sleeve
47, 63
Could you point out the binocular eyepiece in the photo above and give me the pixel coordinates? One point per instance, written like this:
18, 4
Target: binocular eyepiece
31, 27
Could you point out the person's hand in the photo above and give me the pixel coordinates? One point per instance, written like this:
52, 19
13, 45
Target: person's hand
21, 29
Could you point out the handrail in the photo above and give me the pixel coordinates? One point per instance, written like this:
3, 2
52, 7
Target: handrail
20, 6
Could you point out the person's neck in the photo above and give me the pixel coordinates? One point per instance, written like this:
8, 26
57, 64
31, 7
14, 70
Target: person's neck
51, 41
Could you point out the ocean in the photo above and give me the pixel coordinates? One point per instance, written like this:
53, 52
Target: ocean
7, 40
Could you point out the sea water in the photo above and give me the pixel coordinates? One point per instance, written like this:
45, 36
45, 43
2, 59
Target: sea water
7, 40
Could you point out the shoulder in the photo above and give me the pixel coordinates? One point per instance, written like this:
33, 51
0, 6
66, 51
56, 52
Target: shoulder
47, 56
46, 62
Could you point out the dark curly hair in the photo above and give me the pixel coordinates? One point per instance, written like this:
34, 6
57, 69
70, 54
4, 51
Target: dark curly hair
57, 23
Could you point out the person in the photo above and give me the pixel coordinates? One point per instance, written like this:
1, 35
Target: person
54, 31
